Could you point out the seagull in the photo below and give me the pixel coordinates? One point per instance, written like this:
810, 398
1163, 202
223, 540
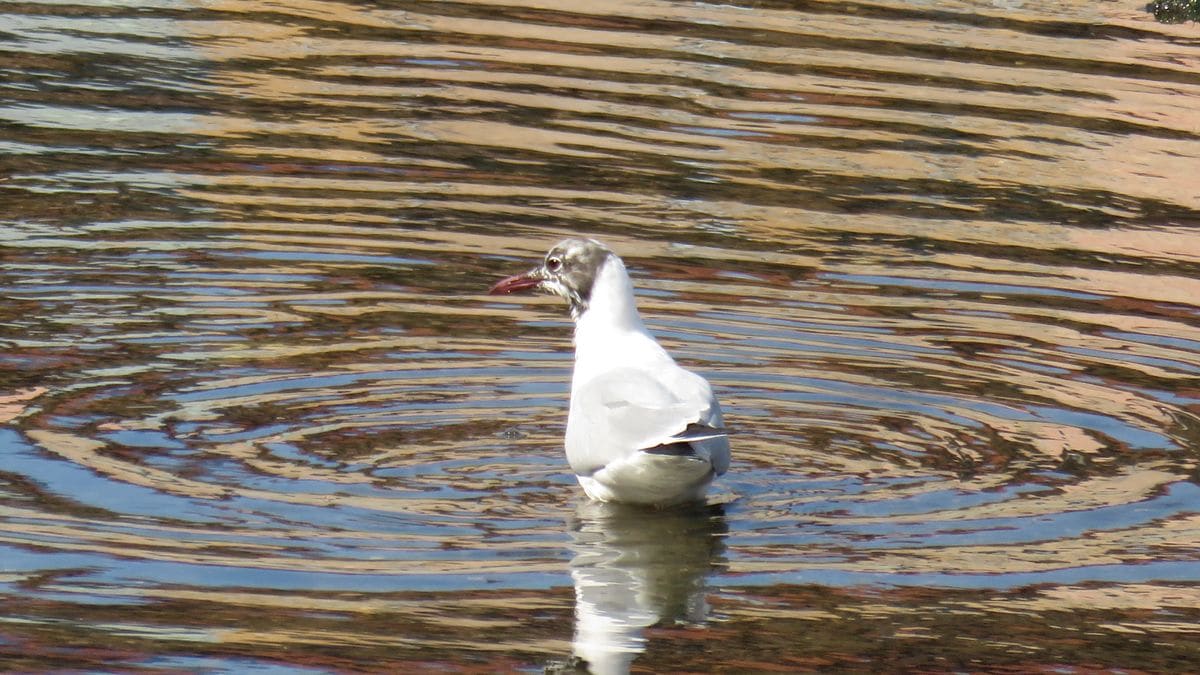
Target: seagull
641, 429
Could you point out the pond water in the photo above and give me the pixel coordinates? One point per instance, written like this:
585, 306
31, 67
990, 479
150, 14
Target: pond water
941, 262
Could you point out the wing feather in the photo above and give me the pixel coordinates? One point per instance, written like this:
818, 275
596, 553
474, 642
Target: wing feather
623, 411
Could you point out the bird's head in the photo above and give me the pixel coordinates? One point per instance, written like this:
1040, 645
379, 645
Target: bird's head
569, 270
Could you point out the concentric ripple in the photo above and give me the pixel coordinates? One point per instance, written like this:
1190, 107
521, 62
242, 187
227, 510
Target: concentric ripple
940, 263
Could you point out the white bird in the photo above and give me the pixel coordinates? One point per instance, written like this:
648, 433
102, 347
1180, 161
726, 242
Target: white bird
641, 429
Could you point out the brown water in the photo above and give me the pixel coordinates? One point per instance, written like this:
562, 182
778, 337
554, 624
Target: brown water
940, 260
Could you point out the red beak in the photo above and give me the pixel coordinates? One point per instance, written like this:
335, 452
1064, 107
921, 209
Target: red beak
514, 284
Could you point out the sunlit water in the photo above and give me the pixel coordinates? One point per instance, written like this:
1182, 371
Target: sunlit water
941, 262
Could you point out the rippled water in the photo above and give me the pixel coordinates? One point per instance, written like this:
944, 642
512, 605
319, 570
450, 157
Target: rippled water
940, 260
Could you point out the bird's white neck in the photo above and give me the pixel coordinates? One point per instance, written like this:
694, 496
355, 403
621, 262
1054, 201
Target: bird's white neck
611, 308
610, 331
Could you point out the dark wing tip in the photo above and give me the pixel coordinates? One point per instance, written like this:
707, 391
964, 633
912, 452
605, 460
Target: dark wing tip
700, 432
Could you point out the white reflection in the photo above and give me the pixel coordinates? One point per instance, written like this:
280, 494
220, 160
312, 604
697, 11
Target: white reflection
635, 567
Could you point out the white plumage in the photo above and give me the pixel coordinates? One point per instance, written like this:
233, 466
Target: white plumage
641, 429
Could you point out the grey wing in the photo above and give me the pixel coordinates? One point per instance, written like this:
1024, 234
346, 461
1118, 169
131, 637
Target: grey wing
627, 410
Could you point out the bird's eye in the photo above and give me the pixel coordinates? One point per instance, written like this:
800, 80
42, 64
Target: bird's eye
554, 264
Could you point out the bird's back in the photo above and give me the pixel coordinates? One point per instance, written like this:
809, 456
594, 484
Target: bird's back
638, 434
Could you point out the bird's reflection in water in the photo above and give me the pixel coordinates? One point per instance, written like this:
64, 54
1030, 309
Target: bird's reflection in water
635, 567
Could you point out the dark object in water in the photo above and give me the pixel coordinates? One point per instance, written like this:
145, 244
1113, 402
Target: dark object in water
1174, 11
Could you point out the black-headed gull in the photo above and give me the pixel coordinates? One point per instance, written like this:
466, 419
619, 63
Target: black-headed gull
641, 429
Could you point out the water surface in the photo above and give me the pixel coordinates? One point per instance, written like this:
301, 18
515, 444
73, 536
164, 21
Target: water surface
940, 262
